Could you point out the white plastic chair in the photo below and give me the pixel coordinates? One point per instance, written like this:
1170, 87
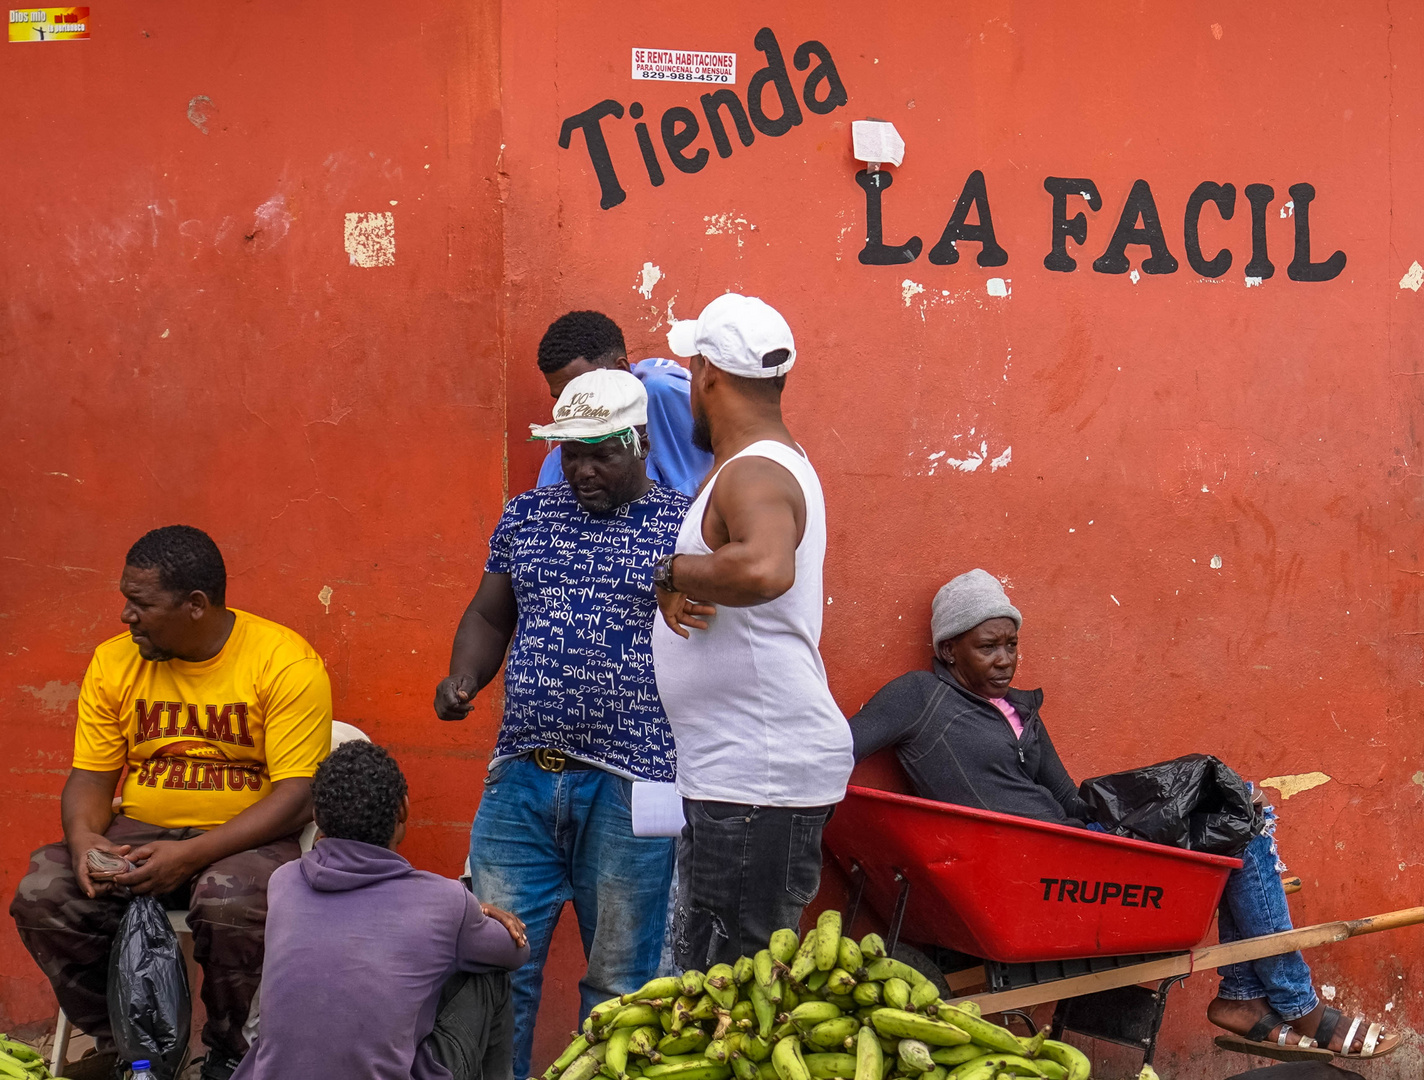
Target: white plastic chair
341, 732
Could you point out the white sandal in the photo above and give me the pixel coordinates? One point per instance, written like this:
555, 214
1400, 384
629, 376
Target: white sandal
1331, 1019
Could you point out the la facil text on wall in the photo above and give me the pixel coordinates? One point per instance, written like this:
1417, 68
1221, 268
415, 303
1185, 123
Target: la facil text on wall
822, 92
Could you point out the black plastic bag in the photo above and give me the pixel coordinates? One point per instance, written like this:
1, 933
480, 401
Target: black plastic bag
149, 1004
1195, 803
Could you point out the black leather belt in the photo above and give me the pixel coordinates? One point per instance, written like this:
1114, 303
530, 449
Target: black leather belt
555, 760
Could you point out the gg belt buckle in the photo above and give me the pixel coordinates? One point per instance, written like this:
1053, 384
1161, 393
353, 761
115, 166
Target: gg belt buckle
549, 760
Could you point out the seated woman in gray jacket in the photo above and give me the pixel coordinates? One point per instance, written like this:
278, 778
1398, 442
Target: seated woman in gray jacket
965, 735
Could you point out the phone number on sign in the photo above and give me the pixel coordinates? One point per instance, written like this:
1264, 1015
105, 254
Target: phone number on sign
684, 76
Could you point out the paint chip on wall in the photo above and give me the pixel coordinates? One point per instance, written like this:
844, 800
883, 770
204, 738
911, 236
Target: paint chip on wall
1216, 562
650, 277
909, 289
54, 696
973, 461
728, 224
324, 598
1292, 785
997, 286
1413, 278
200, 111
371, 239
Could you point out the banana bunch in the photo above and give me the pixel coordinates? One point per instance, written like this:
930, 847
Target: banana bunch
20, 1062
823, 1007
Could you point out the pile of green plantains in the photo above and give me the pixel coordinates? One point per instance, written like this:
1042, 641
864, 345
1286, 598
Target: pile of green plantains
823, 1008
20, 1062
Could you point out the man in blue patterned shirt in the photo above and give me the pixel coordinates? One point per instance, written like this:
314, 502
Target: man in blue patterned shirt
570, 580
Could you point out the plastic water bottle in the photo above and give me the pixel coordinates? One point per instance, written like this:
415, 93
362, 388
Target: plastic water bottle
140, 1071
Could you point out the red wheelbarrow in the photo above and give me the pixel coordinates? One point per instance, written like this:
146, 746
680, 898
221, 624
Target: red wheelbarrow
1016, 891
1049, 912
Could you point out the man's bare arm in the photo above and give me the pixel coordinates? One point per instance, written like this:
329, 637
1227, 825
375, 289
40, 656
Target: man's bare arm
480, 643
756, 518
86, 810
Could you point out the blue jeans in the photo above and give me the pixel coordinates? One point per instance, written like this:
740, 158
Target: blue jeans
1252, 904
542, 838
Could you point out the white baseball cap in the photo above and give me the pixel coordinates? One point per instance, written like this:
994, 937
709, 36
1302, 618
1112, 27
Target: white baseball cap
596, 405
735, 332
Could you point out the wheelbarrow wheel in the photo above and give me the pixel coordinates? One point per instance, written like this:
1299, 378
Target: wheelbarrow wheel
910, 954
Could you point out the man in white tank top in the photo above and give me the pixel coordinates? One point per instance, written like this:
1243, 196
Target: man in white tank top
763, 751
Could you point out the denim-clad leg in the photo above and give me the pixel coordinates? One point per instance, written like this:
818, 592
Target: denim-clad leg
542, 838
1238, 981
620, 888
1253, 904
667, 961
743, 873
518, 863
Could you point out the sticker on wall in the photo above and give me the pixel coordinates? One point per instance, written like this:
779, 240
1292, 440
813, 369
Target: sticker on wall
49, 24
679, 65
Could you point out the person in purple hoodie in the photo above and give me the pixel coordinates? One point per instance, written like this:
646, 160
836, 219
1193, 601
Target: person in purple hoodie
375, 969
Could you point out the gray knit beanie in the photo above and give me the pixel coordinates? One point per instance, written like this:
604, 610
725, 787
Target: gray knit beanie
967, 601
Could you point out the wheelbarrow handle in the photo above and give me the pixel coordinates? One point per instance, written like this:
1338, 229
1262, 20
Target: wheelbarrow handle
1200, 959
1390, 920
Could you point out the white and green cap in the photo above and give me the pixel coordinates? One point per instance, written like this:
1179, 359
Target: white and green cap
597, 405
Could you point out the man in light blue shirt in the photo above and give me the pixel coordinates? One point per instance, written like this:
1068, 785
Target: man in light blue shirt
583, 341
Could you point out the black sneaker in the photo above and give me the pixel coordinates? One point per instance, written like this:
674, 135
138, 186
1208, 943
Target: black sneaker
218, 1066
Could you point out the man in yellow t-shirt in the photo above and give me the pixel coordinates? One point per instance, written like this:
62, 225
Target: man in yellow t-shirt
216, 720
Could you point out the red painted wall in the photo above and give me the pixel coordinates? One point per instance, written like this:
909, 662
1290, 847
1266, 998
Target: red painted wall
1154, 424
174, 352
343, 426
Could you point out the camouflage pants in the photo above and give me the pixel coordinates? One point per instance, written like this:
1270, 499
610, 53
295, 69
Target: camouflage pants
69, 935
